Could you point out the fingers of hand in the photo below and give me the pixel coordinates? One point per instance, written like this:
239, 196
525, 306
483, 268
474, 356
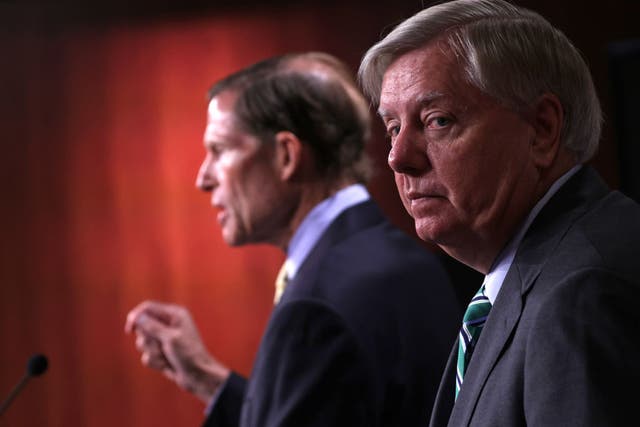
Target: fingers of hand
134, 315
152, 354
156, 361
151, 326
167, 314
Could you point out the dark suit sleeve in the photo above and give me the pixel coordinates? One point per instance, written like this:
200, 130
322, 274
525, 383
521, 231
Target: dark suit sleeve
582, 364
314, 371
225, 411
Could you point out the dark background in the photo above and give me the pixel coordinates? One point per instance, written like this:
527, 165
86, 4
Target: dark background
102, 108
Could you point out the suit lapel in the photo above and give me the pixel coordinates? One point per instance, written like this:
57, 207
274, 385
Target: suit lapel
502, 321
353, 220
542, 237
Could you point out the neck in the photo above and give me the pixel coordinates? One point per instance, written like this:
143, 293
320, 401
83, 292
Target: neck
489, 245
310, 194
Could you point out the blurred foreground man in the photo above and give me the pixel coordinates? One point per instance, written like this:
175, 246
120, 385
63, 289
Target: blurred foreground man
364, 316
491, 115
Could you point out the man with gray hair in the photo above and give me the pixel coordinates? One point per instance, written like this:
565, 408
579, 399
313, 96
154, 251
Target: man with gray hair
491, 115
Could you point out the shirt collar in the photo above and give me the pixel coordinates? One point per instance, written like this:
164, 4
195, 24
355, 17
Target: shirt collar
494, 279
317, 221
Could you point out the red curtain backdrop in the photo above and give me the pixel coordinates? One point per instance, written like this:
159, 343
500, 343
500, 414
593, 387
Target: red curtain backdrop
100, 129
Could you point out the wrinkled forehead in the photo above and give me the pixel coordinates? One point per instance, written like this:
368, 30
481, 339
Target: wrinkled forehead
437, 51
427, 72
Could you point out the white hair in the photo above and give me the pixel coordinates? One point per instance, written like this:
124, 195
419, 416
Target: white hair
510, 53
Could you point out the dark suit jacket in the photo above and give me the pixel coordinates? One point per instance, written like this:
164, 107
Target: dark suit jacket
360, 337
561, 344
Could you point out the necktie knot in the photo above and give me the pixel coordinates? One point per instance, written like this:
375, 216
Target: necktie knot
282, 280
472, 324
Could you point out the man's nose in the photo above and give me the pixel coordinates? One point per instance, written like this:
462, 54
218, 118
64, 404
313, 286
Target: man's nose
408, 154
205, 180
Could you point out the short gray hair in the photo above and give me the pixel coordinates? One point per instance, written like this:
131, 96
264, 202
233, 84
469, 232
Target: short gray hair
510, 53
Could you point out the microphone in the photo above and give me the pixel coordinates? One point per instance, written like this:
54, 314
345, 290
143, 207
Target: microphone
37, 365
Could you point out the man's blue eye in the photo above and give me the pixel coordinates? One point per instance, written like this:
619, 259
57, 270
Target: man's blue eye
441, 121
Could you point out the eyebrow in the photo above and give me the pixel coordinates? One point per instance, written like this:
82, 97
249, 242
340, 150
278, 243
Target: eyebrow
421, 100
430, 97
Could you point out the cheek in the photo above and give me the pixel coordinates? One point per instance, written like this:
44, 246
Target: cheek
464, 187
228, 161
221, 176
458, 177
252, 191
473, 181
229, 174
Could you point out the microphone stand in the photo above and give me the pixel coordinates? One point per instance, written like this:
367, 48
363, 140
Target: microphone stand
37, 365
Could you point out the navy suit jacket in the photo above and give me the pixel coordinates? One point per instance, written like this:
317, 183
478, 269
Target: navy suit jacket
561, 345
359, 338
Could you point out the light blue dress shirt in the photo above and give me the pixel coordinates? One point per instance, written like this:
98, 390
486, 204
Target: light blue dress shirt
317, 221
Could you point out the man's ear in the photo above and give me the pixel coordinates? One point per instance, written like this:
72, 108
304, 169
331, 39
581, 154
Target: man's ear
548, 118
288, 154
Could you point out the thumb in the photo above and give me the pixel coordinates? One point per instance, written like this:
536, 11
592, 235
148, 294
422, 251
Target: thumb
151, 327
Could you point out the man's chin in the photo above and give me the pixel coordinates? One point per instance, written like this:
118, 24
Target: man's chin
430, 232
231, 238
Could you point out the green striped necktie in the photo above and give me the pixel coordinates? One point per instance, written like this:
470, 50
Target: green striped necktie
472, 323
